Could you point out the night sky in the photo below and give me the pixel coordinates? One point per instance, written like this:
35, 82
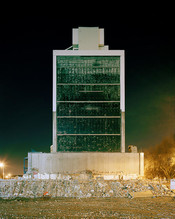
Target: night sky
26, 44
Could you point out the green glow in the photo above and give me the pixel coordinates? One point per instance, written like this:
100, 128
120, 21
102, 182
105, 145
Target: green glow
88, 103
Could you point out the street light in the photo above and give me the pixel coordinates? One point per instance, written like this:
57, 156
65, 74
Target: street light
8, 176
2, 166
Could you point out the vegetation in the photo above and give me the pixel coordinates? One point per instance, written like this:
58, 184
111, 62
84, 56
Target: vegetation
160, 160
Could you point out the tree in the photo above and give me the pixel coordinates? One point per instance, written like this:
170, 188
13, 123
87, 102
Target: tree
160, 160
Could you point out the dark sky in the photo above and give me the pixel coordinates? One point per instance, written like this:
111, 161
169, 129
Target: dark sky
26, 44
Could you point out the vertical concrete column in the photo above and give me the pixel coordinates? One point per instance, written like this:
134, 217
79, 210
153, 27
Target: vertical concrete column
123, 132
141, 164
122, 100
54, 104
29, 162
54, 132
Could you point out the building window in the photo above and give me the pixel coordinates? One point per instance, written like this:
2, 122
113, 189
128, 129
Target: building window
88, 103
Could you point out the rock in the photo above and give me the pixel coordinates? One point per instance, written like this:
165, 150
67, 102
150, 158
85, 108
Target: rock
147, 193
81, 187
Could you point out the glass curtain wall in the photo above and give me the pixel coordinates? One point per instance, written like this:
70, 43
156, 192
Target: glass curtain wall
88, 103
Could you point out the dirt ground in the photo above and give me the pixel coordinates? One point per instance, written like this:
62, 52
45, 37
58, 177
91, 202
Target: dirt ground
158, 207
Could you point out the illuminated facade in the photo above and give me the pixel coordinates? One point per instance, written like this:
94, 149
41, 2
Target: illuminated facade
88, 100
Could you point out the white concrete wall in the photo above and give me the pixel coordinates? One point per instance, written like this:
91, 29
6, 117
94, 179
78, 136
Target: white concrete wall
98, 162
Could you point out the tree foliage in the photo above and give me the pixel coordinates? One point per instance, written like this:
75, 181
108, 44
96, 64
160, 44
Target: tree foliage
160, 160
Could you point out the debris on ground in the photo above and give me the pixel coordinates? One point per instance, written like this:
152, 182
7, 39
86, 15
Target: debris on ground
82, 186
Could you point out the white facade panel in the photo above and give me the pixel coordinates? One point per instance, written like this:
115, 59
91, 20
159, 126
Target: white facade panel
75, 162
54, 83
75, 36
101, 37
88, 38
122, 82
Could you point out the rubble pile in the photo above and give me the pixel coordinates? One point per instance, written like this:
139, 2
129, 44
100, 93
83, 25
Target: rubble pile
80, 187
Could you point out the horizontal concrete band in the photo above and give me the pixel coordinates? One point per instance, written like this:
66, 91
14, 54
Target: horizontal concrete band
97, 162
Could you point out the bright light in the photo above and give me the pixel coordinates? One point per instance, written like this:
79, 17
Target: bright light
8, 176
1, 164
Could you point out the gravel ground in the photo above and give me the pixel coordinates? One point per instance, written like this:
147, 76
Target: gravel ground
158, 207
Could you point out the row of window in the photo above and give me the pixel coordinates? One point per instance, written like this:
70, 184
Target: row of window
64, 77
87, 70
72, 69
89, 143
82, 92
88, 61
88, 125
88, 109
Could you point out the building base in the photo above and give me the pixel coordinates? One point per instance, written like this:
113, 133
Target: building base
104, 163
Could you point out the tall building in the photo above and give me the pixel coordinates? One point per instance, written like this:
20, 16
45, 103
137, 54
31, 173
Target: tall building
88, 111
88, 95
